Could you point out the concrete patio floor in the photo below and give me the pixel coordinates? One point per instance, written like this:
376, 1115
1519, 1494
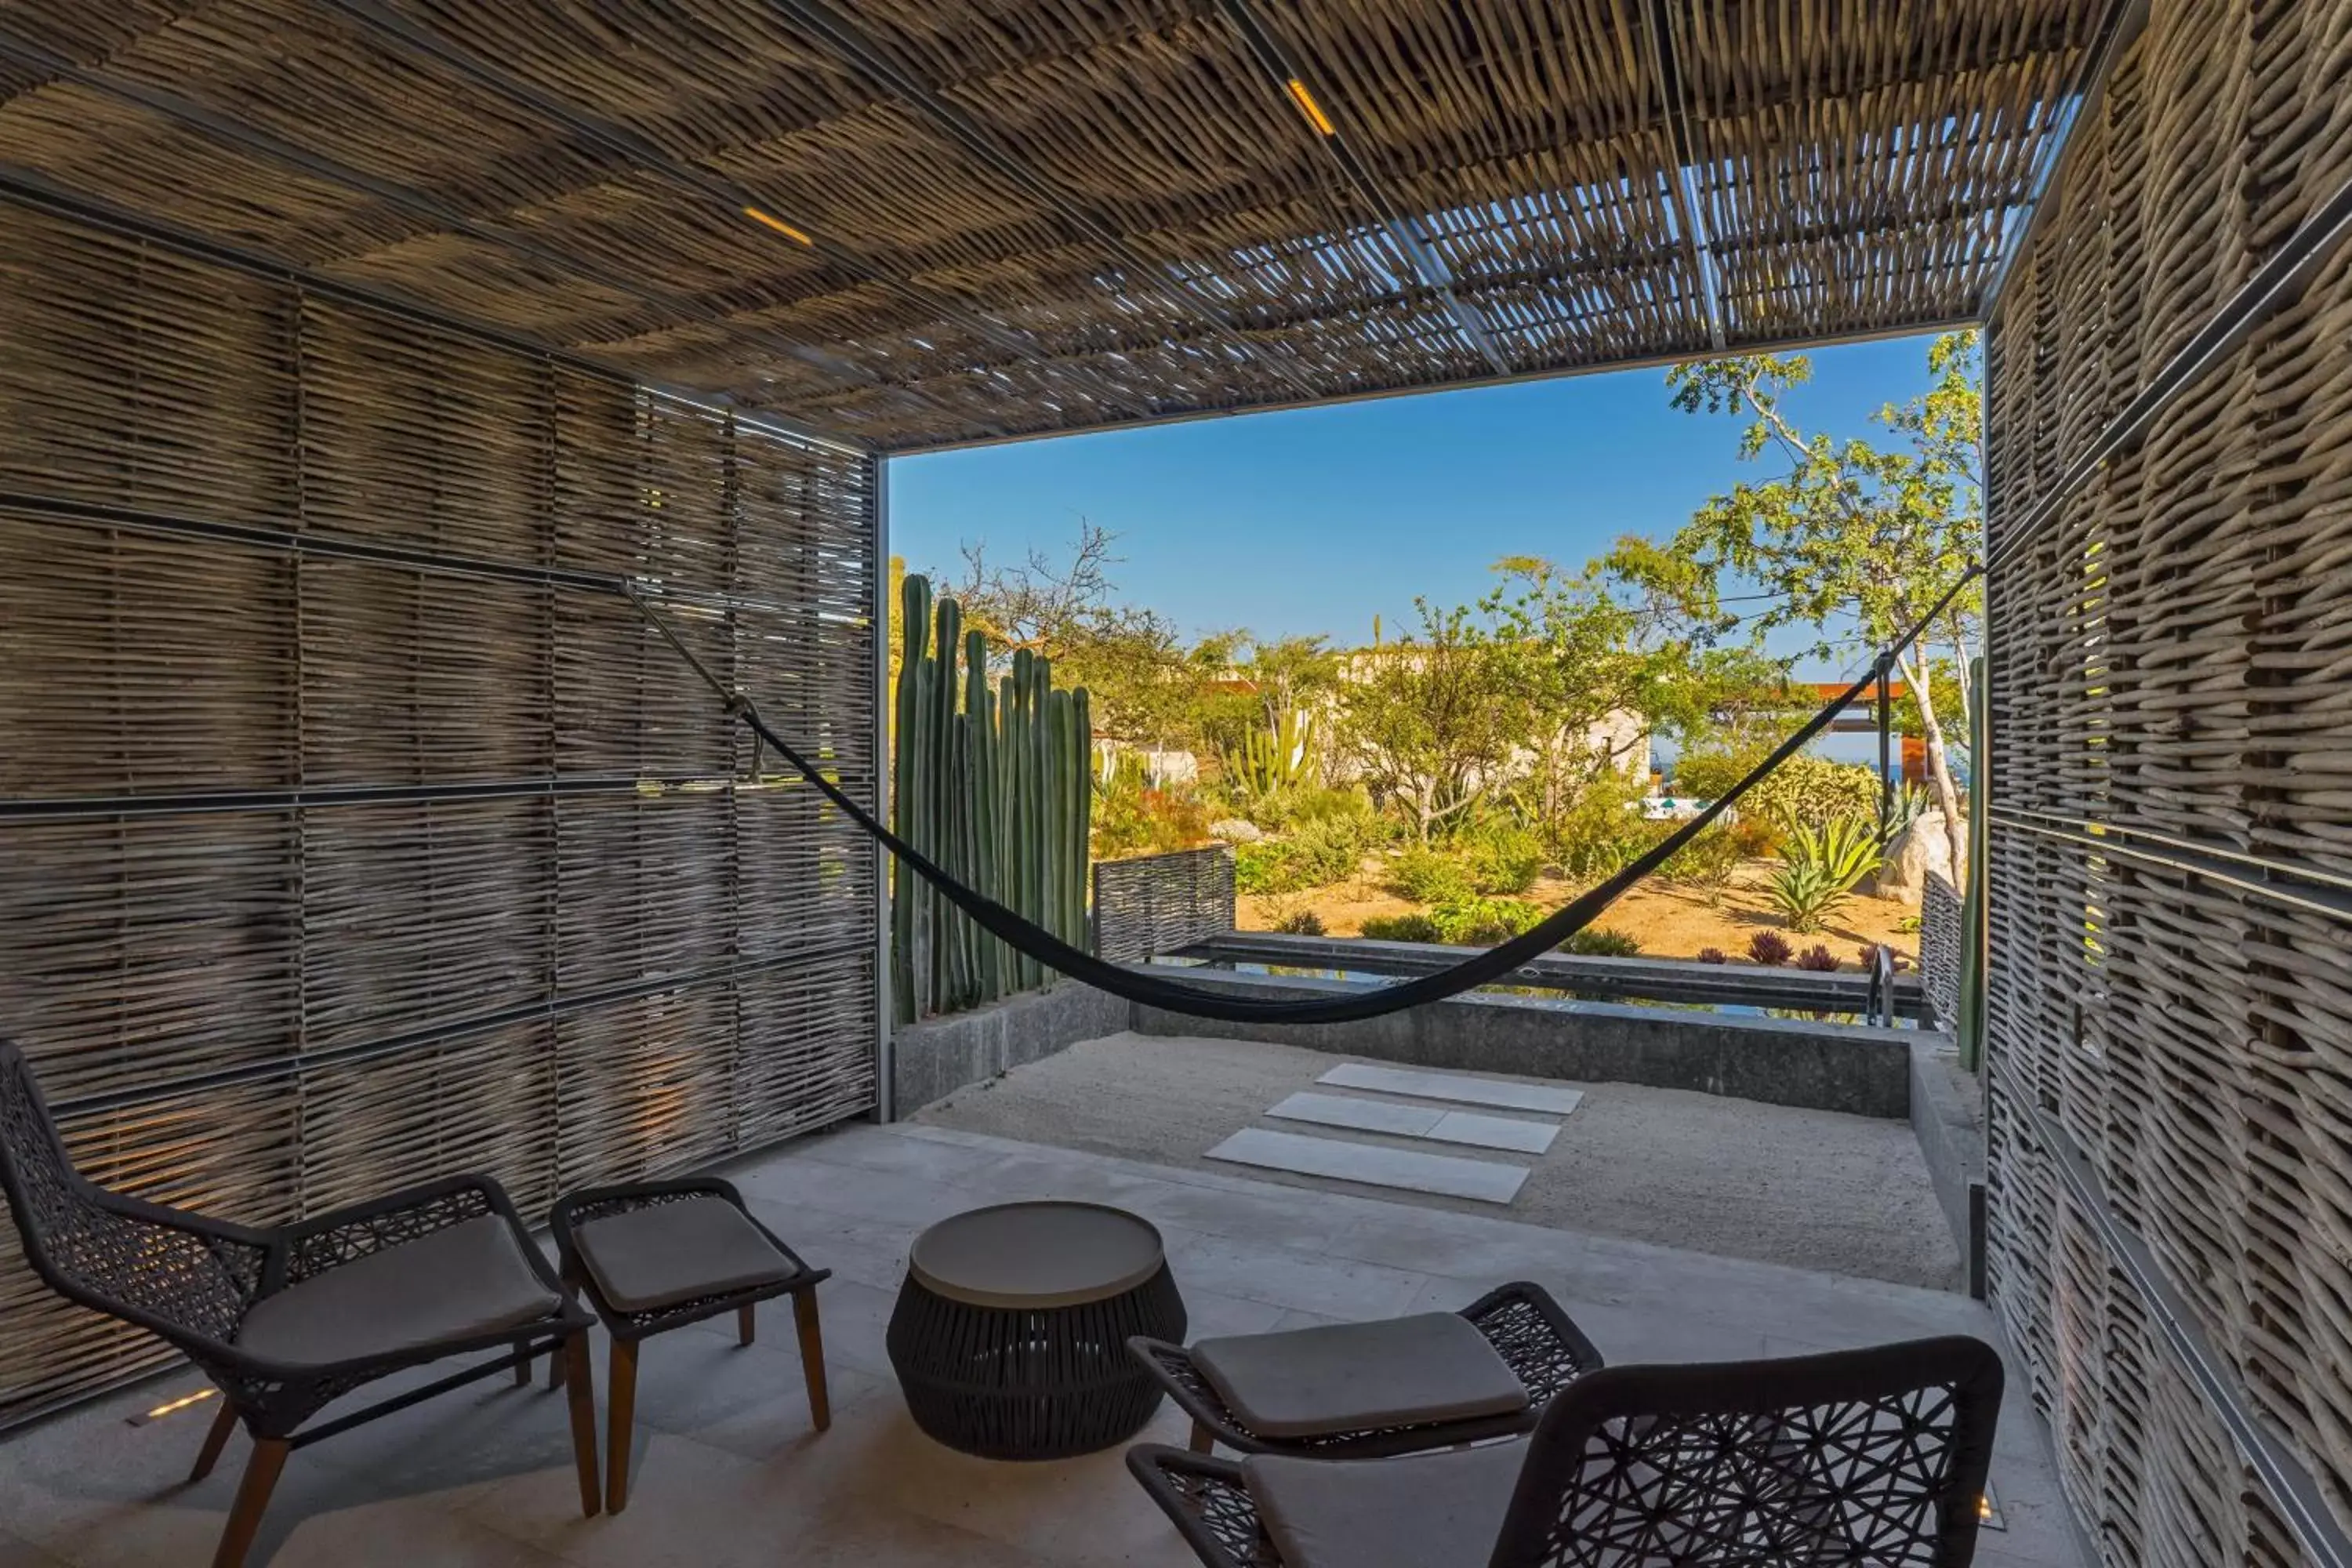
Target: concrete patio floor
1814, 1189
728, 1471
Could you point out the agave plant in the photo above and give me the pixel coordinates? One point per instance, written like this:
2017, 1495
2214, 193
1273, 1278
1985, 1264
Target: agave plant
1820, 867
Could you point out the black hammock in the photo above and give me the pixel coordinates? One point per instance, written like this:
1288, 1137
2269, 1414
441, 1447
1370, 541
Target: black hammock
1142, 985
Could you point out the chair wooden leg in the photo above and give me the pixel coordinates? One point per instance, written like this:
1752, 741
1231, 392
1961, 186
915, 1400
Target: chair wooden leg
746, 1325
1204, 1440
584, 1420
224, 1422
812, 1357
522, 1372
620, 1419
252, 1498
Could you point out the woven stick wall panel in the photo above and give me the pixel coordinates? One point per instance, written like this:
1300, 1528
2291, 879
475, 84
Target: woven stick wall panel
135, 662
2172, 653
486, 1102
645, 886
137, 949
416, 678
135, 377
791, 1072
356, 963
413, 913
639, 1090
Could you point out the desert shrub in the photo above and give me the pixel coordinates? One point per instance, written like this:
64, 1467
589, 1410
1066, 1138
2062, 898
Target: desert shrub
1809, 790
1483, 923
1401, 928
1430, 876
1502, 858
1132, 818
1333, 847
1604, 831
1263, 868
1706, 864
1804, 789
1819, 867
1314, 856
1706, 776
1299, 923
1713, 955
1870, 950
1599, 942
1769, 948
1816, 956
1322, 804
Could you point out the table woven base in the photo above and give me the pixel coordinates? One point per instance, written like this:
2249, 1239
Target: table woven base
1003, 1384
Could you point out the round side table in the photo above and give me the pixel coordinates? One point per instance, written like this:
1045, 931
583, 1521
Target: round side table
1010, 1335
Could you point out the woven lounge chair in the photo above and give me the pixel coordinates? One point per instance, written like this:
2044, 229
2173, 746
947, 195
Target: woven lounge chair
1367, 1390
286, 1320
1863, 1456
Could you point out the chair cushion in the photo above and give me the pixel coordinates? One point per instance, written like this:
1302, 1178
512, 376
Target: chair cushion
1355, 1377
644, 1259
468, 1278
1431, 1510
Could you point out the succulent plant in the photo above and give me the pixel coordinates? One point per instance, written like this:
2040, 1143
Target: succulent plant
994, 784
1769, 948
1818, 957
1713, 955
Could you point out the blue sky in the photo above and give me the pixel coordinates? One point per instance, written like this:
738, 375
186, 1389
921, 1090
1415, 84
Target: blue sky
1318, 520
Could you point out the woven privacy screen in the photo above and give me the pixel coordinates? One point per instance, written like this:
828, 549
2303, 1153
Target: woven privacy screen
1154, 904
327, 874
2172, 750
983, 220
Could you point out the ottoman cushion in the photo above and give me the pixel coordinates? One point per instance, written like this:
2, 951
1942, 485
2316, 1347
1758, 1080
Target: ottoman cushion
665, 1253
1360, 1377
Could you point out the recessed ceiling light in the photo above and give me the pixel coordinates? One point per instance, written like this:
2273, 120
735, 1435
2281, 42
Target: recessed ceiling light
779, 225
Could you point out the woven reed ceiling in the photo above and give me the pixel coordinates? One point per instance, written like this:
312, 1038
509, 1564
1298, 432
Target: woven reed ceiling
1031, 215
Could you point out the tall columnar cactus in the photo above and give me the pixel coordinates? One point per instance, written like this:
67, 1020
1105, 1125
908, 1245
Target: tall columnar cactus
992, 784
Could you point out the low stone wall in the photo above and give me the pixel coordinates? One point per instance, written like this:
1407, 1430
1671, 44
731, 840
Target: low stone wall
1821, 1067
1948, 1117
932, 1059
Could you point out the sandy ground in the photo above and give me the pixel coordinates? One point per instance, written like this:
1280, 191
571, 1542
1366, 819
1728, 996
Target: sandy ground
1846, 1195
1668, 922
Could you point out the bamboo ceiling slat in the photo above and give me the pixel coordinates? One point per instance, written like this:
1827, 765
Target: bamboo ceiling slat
137, 160
299, 71
1032, 217
693, 77
1427, 90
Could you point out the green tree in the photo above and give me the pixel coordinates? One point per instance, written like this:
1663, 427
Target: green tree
1431, 723
1852, 535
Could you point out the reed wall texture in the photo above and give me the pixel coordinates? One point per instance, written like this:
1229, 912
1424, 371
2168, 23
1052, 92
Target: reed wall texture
353, 829
2170, 1016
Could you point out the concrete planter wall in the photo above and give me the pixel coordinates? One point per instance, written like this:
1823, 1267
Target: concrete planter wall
1822, 1067
932, 1059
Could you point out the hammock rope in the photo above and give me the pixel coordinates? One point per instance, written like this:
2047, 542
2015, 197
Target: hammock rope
1141, 986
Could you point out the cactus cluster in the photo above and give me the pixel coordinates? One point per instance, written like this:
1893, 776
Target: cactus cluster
992, 782
1269, 763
